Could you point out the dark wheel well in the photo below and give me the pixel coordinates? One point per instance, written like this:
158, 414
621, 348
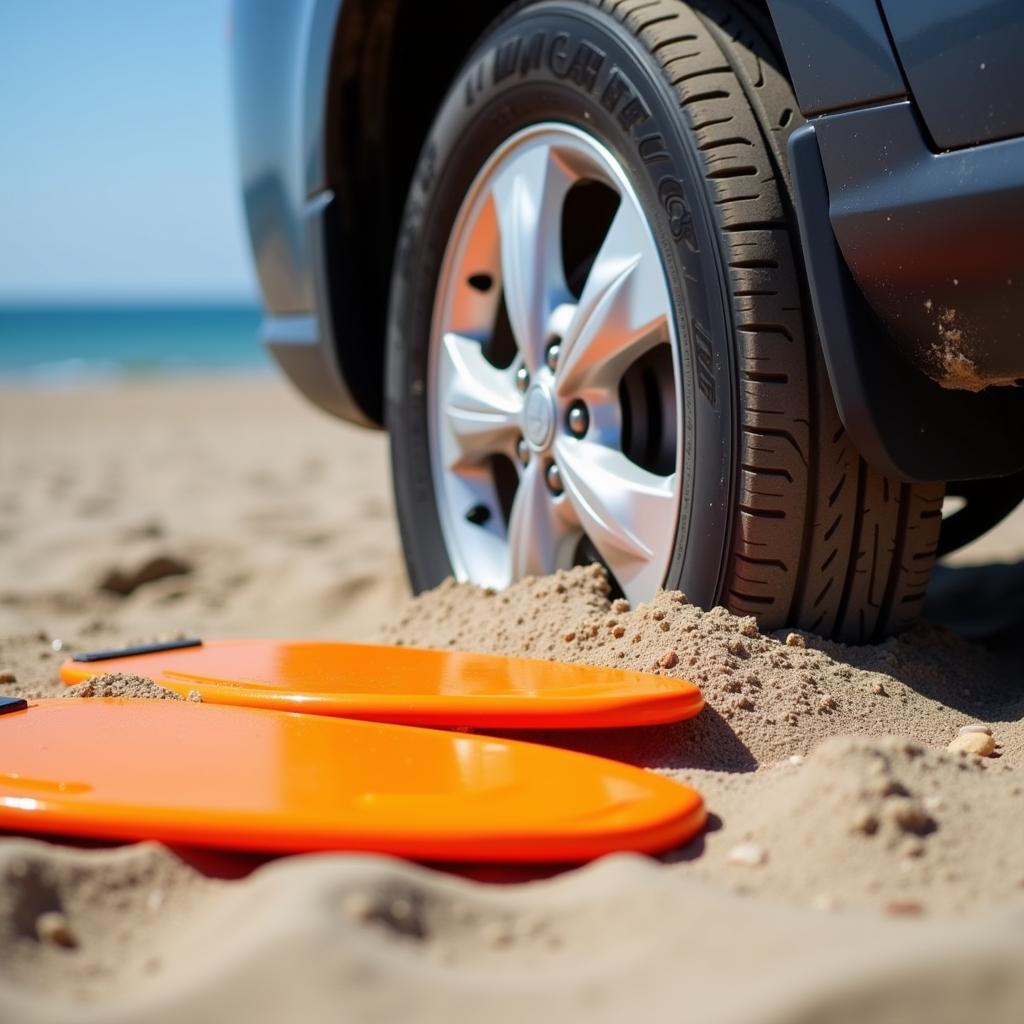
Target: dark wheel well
393, 61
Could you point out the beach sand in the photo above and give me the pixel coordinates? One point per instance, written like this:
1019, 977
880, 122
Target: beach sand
854, 868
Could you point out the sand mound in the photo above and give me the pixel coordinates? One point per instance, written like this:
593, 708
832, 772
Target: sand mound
118, 909
894, 824
329, 937
121, 684
882, 824
768, 696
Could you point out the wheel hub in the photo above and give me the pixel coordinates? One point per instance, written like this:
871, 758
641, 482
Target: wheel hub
539, 417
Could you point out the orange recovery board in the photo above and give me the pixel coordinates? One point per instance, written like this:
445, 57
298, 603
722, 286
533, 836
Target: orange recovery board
406, 685
246, 778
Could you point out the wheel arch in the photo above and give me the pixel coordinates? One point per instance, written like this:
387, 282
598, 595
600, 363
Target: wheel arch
387, 72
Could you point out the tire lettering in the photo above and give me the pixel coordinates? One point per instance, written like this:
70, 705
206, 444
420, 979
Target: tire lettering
516, 55
673, 200
506, 57
652, 148
614, 90
533, 53
558, 55
634, 113
705, 364
619, 98
428, 166
582, 68
474, 83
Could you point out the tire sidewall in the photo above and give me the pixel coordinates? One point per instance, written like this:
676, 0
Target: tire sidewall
577, 65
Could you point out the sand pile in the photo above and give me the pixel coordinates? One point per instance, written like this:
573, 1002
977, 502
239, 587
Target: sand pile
874, 824
79, 919
362, 938
837, 814
768, 696
121, 684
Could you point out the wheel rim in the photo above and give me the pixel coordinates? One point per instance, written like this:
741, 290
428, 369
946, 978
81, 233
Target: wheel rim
554, 416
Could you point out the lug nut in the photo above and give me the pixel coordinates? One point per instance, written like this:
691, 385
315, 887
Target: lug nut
554, 479
522, 378
554, 350
523, 451
578, 419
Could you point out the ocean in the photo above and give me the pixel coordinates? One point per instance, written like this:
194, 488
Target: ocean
54, 346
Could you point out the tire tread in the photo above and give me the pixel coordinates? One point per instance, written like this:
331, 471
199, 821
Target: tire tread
821, 540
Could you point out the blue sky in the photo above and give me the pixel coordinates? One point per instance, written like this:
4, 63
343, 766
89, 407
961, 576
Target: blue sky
117, 174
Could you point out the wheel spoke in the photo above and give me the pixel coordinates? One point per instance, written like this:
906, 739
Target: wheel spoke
622, 312
528, 195
628, 512
540, 537
480, 402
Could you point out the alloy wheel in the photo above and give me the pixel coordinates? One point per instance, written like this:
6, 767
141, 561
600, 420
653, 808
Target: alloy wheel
554, 378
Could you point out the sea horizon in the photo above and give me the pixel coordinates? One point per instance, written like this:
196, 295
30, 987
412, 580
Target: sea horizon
61, 343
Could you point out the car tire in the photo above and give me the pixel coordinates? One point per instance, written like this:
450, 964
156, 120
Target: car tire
777, 515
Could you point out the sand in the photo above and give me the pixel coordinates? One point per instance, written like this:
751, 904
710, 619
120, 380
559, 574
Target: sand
121, 684
854, 867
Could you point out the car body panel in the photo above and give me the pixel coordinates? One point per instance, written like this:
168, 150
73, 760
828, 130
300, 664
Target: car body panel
282, 65
837, 52
933, 240
903, 423
961, 59
271, 45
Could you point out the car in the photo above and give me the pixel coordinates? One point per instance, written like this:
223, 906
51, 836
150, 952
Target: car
722, 295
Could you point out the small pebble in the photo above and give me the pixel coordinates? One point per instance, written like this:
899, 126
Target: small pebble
966, 730
795, 640
669, 660
53, 927
749, 627
497, 934
748, 854
879, 690
904, 908
864, 822
979, 743
912, 848
57, 645
618, 632
796, 759
909, 815
737, 647
357, 906
8, 677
